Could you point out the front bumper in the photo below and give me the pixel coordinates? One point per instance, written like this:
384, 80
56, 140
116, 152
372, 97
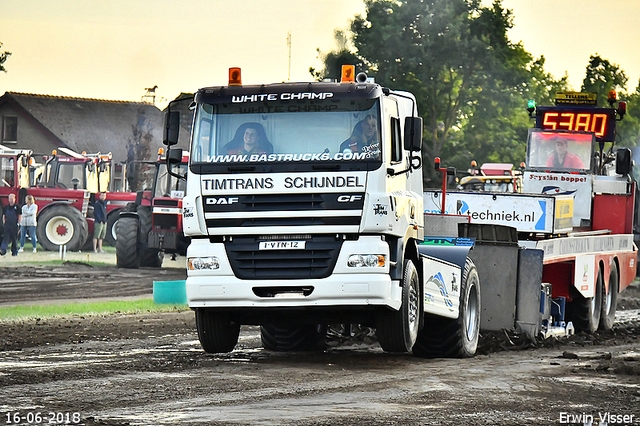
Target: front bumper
346, 286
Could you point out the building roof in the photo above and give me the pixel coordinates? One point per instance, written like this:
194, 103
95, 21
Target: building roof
93, 125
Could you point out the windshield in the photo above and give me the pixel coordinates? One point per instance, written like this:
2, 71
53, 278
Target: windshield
294, 132
170, 186
559, 151
70, 175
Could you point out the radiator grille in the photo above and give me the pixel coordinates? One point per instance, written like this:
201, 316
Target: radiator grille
317, 260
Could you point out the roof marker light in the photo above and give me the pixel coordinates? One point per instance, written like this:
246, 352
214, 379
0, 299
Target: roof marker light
348, 74
235, 76
622, 109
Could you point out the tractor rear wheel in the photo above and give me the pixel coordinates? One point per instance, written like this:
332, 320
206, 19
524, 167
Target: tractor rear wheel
61, 225
127, 243
151, 257
112, 220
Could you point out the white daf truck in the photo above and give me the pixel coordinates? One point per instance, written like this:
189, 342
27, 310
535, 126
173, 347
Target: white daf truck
304, 205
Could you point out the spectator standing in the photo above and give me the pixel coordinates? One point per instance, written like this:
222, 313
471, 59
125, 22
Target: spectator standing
100, 225
10, 218
28, 223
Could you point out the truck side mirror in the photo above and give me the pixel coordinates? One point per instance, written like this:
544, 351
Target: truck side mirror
413, 133
174, 156
623, 161
171, 127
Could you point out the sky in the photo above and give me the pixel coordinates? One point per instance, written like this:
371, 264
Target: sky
116, 49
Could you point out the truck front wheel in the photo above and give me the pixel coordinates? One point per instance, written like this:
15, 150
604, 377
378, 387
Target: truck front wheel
397, 330
216, 332
458, 338
306, 337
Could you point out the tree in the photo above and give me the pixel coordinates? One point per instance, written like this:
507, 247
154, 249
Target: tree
334, 60
628, 130
603, 76
454, 55
3, 58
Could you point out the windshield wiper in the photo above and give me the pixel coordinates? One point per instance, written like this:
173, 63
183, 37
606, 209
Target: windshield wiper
241, 168
326, 166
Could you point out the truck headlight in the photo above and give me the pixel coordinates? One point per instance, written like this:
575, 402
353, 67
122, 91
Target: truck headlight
366, 261
200, 263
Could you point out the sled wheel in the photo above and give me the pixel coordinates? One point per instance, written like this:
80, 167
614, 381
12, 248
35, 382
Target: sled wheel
454, 338
585, 312
127, 243
216, 332
397, 330
291, 338
62, 225
610, 300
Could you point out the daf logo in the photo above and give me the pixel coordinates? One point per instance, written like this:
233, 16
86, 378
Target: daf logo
349, 198
222, 200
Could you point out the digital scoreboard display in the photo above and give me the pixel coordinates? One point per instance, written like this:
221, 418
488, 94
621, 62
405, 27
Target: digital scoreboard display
601, 121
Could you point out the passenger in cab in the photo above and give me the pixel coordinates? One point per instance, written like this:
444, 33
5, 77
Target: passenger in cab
363, 137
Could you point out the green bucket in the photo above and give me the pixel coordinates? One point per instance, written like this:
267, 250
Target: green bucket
170, 292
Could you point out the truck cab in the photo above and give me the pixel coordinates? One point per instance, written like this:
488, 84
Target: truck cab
304, 207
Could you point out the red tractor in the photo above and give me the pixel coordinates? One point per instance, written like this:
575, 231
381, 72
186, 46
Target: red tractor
61, 211
152, 225
91, 172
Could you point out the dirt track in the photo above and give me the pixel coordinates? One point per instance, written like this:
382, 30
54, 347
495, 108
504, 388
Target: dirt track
149, 369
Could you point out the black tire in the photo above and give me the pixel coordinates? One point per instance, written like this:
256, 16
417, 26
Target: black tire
293, 338
610, 300
112, 219
397, 330
62, 225
454, 338
127, 255
131, 207
151, 257
585, 312
216, 332
2, 223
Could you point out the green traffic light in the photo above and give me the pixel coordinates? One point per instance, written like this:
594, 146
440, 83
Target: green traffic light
531, 104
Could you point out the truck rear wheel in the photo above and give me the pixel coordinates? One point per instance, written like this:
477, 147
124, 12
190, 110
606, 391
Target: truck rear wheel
62, 225
283, 338
216, 332
610, 300
585, 312
127, 243
454, 338
397, 330
151, 257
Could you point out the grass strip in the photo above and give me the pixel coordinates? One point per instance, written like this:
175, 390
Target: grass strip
12, 313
